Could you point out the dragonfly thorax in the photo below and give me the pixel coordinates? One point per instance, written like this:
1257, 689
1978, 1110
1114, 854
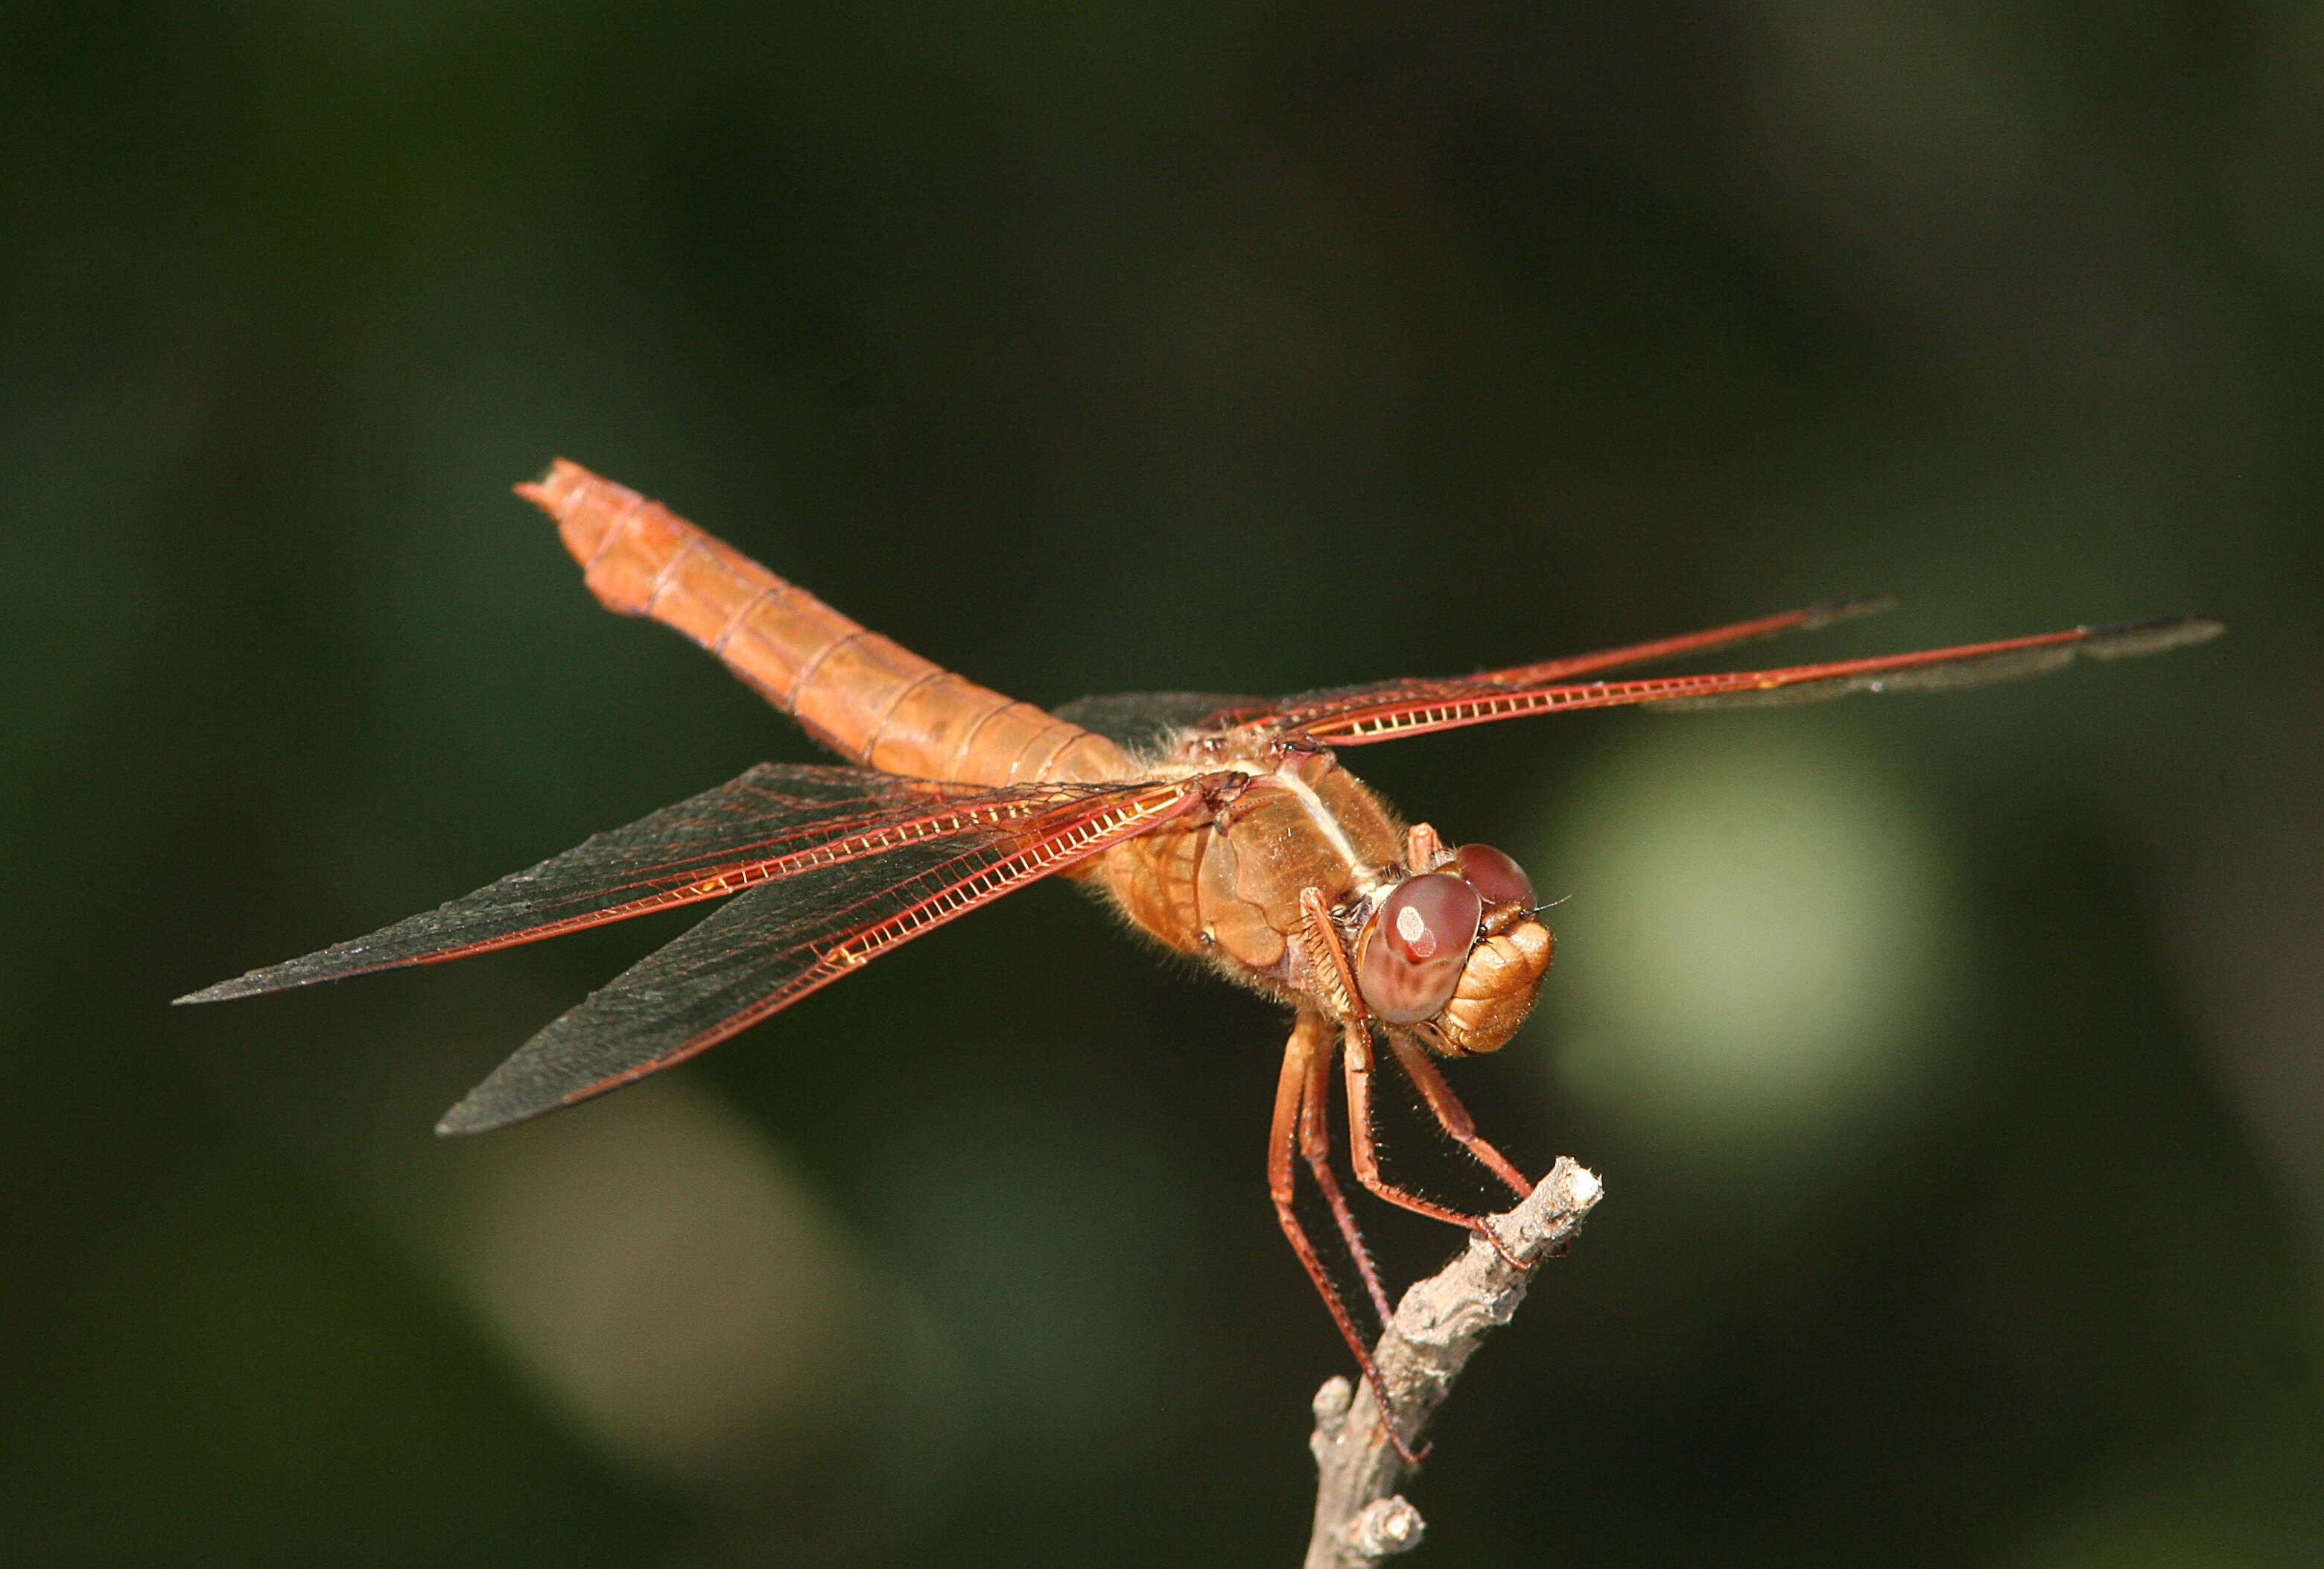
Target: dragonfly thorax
1437, 940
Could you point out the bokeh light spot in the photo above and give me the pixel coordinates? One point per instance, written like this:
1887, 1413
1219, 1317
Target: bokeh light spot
675, 1290
1760, 941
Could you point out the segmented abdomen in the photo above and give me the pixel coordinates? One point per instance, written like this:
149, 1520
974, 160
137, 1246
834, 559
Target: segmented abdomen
864, 696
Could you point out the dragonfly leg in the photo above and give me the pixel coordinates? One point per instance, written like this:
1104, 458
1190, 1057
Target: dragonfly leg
1357, 1061
1328, 953
1311, 1041
1315, 1145
1452, 1115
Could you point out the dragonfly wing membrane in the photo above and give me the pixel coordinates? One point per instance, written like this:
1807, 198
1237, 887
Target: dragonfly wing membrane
1303, 710
774, 821
1419, 708
781, 940
1968, 669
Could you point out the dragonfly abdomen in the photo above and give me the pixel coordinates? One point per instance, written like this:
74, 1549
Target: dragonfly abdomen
864, 696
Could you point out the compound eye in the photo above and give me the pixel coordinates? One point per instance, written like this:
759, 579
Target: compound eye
1495, 877
1416, 947
1431, 918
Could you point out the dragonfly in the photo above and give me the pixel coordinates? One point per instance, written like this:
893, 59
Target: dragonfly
1224, 828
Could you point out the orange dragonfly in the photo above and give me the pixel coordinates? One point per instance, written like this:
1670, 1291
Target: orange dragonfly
1224, 828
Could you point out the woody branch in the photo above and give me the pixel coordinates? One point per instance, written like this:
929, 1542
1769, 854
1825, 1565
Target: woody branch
1360, 1517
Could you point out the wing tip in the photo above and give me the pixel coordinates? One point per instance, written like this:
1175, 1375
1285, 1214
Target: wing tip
1833, 610
2132, 639
253, 984
315, 969
484, 1108
467, 1118
506, 1098
222, 992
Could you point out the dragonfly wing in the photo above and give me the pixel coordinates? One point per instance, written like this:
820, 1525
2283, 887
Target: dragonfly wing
781, 940
1142, 721
1811, 619
1419, 708
776, 821
1301, 710
1943, 669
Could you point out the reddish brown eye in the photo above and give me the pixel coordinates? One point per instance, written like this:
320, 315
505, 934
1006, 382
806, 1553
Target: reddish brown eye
1415, 945
1496, 878
1431, 918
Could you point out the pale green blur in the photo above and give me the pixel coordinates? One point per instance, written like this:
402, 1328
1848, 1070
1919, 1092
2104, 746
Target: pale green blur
1759, 937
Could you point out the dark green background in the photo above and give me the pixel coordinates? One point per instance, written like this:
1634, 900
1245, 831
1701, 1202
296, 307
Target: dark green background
1087, 348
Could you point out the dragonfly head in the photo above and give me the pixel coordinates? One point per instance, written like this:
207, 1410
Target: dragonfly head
1457, 947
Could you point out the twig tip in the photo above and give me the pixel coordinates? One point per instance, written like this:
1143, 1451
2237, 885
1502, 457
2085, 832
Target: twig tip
1385, 1527
1332, 1403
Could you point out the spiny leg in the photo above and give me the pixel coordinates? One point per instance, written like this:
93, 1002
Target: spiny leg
1310, 1039
1327, 955
1451, 1115
1315, 1144
1330, 960
1357, 1060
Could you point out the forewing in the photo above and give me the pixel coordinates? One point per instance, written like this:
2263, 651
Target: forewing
1303, 710
776, 821
783, 940
1416, 708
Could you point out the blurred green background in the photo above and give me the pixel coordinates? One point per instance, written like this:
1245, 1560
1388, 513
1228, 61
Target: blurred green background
1955, 1065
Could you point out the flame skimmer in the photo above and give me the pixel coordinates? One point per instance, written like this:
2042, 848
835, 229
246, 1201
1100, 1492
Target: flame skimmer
1223, 826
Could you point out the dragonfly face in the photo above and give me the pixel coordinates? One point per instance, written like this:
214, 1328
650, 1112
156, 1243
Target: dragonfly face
1223, 826
1456, 951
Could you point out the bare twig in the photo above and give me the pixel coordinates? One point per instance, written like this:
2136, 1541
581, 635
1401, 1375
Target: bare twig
1359, 1521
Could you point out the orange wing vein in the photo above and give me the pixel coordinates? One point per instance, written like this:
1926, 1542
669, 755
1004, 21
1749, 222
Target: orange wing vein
1356, 716
775, 822
781, 940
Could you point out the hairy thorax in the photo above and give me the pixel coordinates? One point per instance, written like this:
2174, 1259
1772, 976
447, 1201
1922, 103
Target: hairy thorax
1226, 885
1230, 884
